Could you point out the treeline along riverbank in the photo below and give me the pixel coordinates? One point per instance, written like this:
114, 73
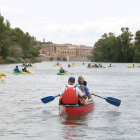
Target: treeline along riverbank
15, 45
111, 48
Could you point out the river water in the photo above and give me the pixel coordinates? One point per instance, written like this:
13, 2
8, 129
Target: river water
23, 115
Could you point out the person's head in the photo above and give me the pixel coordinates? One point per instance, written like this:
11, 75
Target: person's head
24, 67
16, 66
71, 80
61, 67
80, 80
85, 83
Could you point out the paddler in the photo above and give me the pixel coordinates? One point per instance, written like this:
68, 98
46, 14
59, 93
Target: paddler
89, 64
24, 70
16, 69
57, 64
61, 70
70, 93
81, 83
110, 65
30, 64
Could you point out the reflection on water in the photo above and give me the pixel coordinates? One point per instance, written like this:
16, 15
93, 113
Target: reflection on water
72, 126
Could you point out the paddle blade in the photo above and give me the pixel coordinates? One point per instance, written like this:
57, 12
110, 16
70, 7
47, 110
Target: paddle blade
48, 99
113, 101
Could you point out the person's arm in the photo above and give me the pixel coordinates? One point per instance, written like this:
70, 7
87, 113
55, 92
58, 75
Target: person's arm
86, 91
81, 93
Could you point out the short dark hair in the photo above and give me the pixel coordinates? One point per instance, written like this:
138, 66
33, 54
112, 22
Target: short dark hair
72, 80
85, 83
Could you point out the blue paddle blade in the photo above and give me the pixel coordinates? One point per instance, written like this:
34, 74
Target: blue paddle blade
48, 99
113, 101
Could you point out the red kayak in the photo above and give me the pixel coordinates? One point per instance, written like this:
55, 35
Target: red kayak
75, 109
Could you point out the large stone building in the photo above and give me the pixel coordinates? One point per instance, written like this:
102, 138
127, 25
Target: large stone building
68, 51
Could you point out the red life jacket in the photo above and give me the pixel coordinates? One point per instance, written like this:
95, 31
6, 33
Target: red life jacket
69, 96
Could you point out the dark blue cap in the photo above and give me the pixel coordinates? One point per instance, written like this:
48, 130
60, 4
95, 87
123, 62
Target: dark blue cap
71, 79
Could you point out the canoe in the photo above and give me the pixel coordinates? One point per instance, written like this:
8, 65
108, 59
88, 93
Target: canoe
97, 67
76, 109
57, 65
16, 73
111, 66
62, 73
1, 79
133, 67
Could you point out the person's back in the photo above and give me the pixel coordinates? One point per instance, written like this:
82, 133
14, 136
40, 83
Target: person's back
16, 69
61, 70
70, 93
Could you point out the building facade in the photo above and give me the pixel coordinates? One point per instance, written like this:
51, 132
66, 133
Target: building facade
70, 52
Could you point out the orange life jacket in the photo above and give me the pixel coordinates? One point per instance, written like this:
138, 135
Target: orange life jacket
69, 96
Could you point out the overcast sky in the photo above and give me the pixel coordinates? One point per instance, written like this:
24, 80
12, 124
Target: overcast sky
80, 22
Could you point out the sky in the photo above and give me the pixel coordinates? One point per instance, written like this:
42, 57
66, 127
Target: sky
79, 22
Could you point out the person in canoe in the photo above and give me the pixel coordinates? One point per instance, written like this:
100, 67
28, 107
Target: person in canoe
16, 69
57, 64
61, 70
23, 64
133, 65
83, 63
24, 70
96, 65
89, 65
30, 64
81, 83
71, 94
110, 65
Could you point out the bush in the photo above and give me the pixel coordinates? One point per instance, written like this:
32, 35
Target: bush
64, 59
59, 58
20, 60
35, 59
27, 61
10, 60
51, 58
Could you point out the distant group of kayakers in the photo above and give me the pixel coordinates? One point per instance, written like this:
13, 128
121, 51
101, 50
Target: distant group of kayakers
16, 69
94, 65
26, 65
75, 94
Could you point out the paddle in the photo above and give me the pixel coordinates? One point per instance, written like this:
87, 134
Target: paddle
111, 100
48, 99
3, 75
69, 72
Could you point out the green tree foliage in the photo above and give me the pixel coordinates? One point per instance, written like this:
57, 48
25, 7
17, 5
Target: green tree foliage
4, 37
137, 46
15, 43
114, 49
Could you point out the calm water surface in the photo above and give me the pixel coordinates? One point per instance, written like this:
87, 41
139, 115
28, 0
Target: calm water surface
23, 115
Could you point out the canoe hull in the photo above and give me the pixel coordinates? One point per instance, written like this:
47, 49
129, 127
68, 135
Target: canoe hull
71, 110
62, 73
133, 67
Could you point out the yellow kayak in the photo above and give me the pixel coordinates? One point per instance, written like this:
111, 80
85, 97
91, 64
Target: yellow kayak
57, 65
132, 66
1, 79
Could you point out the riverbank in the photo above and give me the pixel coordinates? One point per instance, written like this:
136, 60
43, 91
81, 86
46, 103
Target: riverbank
10, 60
